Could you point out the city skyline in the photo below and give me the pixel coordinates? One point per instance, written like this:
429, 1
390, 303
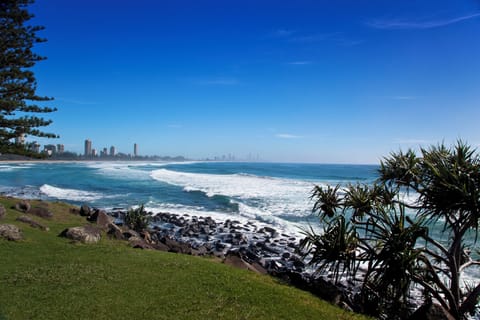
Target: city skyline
329, 82
90, 151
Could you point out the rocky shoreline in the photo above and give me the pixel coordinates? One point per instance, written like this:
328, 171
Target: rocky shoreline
259, 248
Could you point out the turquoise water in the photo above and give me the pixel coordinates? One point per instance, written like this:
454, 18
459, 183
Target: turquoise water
274, 193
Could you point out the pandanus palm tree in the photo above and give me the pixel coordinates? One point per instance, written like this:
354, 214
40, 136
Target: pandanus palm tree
447, 181
399, 249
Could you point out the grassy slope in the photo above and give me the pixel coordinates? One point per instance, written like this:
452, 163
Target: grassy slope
47, 277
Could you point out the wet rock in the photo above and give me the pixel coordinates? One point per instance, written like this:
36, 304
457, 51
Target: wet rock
85, 234
297, 263
10, 232
250, 254
32, 223
273, 233
275, 267
292, 245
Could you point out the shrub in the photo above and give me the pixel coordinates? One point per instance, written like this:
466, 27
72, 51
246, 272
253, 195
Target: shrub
137, 219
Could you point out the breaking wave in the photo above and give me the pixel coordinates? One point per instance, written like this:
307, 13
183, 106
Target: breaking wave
69, 194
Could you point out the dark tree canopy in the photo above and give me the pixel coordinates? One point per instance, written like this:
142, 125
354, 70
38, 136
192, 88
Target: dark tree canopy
19, 107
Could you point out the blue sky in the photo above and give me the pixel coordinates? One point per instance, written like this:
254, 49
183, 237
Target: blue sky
301, 81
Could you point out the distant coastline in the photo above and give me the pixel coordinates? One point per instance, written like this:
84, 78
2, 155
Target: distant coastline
13, 158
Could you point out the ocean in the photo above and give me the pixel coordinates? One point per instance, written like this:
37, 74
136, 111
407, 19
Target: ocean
277, 194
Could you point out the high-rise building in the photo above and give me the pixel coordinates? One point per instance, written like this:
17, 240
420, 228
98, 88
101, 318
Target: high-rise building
112, 151
135, 150
94, 152
60, 148
34, 147
88, 148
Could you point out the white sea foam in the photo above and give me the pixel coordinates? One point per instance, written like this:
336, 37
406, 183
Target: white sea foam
120, 170
69, 194
7, 168
248, 215
127, 170
273, 196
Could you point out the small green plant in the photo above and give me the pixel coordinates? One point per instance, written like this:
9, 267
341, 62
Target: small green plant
137, 219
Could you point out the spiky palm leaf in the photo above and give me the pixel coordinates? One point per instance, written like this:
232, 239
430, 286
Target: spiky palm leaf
327, 201
334, 250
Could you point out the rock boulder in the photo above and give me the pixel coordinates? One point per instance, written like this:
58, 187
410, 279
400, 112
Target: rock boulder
40, 212
10, 232
26, 219
139, 243
85, 234
115, 232
102, 219
85, 210
23, 206
234, 259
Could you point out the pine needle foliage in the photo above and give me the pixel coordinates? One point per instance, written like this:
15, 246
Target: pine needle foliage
20, 105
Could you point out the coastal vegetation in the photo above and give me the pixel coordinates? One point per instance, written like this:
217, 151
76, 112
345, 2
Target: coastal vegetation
137, 219
377, 228
19, 102
48, 277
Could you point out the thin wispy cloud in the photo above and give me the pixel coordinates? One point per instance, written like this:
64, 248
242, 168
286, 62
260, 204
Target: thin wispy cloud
282, 33
287, 136
398, 24
299, 63
314, 37
338, 38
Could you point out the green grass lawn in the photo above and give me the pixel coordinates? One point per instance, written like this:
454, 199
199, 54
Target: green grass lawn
48, 277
